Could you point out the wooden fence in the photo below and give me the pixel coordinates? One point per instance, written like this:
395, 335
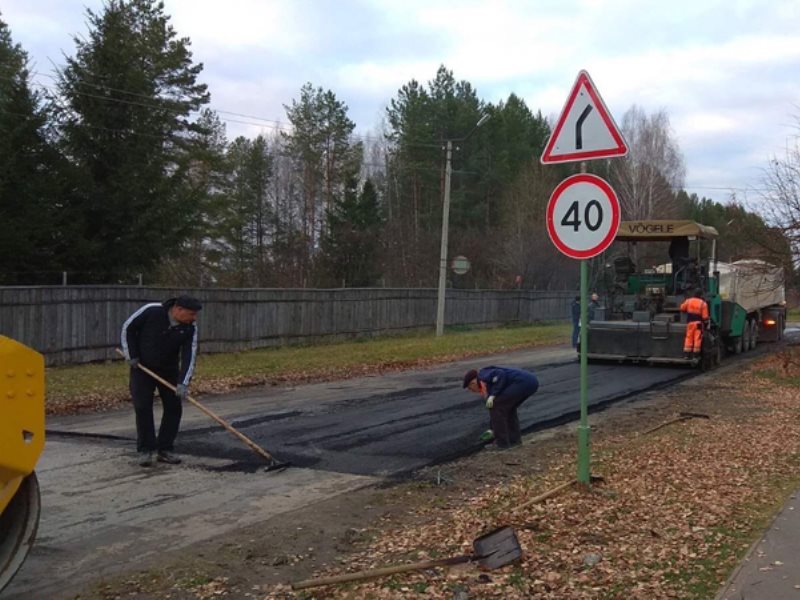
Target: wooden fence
76, 324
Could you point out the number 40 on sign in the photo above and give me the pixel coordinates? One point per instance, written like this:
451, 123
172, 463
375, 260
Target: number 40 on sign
583, 216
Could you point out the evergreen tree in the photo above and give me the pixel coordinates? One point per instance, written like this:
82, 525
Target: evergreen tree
324, 155
129, 94
245, 220
196, 263
30, 238
422, 120
486, 163
351, 243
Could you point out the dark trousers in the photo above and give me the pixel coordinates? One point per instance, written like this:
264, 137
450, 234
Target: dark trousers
143, 389
503, 416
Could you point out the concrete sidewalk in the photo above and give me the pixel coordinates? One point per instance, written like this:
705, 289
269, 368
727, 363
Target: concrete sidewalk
771, 569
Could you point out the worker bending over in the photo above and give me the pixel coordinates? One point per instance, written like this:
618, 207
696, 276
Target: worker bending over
504, 389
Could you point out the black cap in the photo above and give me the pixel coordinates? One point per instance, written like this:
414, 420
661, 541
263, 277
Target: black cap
188, 302
469, 376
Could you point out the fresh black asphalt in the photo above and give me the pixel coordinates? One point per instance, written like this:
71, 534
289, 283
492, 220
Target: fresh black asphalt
430, 421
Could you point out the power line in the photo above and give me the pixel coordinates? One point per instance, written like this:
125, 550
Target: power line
265, 122
262, 122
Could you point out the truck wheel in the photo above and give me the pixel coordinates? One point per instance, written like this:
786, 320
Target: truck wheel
753, 334
738, 343
711, 355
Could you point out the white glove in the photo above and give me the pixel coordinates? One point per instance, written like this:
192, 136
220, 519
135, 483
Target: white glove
490, 402
181, 391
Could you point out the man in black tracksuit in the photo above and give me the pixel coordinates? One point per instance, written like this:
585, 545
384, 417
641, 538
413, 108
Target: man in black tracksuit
504, 389
163, 337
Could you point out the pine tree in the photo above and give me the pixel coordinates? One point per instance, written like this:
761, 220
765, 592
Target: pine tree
196, 262
324, 155
245, 226
30, 239
129, 94
351, 243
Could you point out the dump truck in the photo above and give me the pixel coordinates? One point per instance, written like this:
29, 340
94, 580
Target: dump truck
21, 444
640, 319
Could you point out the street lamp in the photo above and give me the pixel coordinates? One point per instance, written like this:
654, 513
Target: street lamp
448, 169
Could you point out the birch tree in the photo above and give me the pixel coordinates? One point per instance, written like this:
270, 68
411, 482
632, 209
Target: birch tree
647, 178
782, 195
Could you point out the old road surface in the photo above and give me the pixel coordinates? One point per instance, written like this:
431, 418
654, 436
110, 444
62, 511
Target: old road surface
102, 514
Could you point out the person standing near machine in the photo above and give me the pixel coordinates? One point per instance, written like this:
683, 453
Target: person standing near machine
697, 316
575, 313
163, 337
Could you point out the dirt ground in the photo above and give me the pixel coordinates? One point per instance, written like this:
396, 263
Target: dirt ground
419, 517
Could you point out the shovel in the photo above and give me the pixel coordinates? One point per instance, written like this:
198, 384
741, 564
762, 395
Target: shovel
273, 464
492, 551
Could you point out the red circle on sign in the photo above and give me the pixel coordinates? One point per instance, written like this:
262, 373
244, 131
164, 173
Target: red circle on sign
610, 197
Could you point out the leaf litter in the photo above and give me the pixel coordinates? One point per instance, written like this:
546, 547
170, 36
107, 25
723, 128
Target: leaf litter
675, 512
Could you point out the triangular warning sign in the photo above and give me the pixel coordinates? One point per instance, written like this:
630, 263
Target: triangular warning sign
585, 130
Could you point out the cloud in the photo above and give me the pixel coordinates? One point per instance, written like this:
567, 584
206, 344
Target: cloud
724, 70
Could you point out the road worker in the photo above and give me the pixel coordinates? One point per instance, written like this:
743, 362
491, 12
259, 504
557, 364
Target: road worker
697, 316
163, 336
504, 389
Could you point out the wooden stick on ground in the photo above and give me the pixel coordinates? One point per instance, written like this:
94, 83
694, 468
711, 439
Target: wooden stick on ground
546, 495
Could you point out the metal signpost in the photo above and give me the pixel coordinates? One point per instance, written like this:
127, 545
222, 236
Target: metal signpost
583, 212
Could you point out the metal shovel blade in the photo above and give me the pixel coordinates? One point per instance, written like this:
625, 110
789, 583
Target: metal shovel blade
497, 548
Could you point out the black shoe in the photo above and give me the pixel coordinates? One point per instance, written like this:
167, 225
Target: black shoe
146, 459
495, 448
168, 457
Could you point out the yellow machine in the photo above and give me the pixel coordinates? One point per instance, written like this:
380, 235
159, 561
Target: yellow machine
21, 444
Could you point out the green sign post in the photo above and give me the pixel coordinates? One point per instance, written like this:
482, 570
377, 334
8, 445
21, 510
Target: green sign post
583, 213
582, 220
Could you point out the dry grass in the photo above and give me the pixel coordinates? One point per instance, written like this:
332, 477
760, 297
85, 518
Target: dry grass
98, 387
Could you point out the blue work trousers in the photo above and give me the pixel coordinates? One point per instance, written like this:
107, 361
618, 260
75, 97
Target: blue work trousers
503, 415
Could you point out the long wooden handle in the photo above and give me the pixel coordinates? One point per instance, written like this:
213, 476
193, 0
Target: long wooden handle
255, 447
442, 562
545, 495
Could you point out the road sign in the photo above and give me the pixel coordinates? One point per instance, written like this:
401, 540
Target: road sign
585, 130
460, 265
583, 215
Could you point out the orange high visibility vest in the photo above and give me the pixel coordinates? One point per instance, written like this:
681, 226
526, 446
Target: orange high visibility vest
696, 309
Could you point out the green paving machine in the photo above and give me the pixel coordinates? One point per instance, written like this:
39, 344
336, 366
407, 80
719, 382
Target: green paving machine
640, 319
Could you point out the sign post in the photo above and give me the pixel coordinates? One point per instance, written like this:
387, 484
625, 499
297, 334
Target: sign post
583, 213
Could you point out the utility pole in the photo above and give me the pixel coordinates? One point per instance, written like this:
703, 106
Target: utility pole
448, 170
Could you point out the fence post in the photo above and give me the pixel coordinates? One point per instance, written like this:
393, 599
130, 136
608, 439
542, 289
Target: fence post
63, 278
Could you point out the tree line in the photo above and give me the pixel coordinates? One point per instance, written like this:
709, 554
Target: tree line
122, 168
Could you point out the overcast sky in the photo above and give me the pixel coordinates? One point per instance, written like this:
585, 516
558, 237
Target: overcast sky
727, 72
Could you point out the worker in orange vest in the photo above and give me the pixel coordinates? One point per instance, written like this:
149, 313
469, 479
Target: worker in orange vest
697, 316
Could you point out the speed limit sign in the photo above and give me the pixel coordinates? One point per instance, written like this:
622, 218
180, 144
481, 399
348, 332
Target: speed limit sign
583, 215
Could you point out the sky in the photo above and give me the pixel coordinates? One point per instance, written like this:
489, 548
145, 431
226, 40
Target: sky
727, 72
